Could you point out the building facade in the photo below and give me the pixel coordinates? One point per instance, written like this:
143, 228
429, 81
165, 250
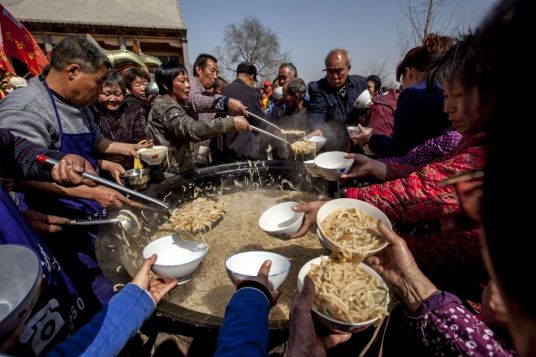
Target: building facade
114, 24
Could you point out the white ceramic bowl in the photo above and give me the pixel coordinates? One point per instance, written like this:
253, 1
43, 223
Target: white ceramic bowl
154, 155
246, 265
280, 220
332, 164
345, 203
362, 100
330, 322
354, 130
20, 279
176, 258
318, 140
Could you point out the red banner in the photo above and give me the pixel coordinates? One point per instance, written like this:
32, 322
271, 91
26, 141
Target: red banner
18, 43
5, 64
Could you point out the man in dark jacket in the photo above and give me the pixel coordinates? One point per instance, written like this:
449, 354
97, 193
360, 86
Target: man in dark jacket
331, 100
233, 147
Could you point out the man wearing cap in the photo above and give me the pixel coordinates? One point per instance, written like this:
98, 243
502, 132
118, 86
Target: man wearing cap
245, 145
331, 100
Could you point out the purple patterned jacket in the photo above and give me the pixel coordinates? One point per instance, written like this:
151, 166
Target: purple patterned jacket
446, 328
429, 151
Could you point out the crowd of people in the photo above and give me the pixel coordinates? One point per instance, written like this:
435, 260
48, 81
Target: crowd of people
459, 260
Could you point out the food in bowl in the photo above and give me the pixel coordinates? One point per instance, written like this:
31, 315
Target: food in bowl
351, 225
176, 258
349, 296
353, 230
246, 265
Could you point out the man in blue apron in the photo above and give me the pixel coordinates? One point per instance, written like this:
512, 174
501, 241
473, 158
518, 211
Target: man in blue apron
52, 112
60, 310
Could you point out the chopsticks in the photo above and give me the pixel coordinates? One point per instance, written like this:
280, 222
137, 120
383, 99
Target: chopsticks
264, 120
269, 134
465, 176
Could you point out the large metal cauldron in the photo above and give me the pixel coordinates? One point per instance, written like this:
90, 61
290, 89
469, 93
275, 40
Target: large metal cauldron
120, 256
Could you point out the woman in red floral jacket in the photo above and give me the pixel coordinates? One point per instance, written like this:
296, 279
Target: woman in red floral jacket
414, 196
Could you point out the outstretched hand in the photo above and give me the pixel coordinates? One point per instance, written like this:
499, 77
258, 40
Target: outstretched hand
311, 210
157, 288
304, 337
365, 166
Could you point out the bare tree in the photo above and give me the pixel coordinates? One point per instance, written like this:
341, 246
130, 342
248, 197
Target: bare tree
251, 41
425, 17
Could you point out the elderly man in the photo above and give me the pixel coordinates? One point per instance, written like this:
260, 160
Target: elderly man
331, 100
203, 100
246, 145
287, 71
52, 112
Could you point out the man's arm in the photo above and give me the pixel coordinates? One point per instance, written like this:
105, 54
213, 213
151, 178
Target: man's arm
18, 158
28, 125
184, 127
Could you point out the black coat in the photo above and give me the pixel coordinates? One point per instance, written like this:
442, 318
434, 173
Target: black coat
234, 146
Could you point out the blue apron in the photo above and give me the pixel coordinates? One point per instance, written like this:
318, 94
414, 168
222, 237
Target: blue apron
74, 246
60, 310
83, 145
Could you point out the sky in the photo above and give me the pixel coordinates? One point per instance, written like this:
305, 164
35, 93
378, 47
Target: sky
307, 30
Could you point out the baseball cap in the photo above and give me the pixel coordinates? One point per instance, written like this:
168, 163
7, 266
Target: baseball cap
247, 67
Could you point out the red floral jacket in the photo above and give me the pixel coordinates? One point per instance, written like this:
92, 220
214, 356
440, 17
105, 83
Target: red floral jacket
420, 197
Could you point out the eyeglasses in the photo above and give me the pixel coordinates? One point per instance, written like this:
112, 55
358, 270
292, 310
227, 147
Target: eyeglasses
331, 71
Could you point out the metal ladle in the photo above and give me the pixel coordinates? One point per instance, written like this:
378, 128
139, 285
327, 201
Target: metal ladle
43, 159
126, 219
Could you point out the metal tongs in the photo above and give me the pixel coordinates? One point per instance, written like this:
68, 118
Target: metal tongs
267, 132
43, 159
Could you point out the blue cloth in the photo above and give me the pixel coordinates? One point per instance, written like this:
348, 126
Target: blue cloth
108, 332
60, 310
419, 116
245, 330
331, 113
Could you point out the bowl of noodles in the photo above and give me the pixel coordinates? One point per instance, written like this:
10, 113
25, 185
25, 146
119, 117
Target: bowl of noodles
349, 296
154, 155
346, 224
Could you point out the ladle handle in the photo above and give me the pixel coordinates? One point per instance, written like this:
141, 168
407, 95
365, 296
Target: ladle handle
92, 222
43, 159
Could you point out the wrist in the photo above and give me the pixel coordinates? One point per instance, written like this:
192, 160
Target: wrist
378, 169
414, 294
